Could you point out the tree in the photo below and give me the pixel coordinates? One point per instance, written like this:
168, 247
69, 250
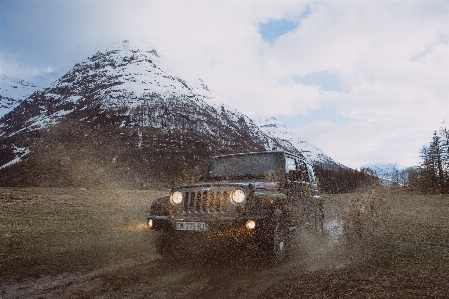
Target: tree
433, 170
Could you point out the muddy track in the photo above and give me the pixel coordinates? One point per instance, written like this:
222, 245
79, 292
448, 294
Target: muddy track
76, 243
221, 274
76, 253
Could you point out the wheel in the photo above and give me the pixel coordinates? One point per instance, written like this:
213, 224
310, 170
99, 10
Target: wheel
166, 245
279, 243
276, 242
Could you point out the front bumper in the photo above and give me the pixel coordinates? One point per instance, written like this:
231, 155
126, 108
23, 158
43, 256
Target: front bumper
166, 223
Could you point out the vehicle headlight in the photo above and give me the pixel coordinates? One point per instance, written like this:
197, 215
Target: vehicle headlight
237, 196
176, 198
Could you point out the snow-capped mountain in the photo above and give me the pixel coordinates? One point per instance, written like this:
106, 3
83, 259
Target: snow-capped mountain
123, 112
275, 129
12, 92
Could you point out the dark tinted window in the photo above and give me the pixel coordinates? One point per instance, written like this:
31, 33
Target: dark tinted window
251, 165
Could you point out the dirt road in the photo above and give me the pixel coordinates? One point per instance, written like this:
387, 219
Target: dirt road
75, 243
224, 275
84, 243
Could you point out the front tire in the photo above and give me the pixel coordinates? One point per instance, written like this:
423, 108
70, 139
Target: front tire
165, 244
277, 240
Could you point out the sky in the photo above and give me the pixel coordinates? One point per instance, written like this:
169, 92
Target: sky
365, 81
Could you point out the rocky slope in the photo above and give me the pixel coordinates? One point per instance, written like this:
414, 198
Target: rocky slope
12, 92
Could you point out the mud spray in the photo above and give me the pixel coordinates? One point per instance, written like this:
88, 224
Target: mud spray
351, 223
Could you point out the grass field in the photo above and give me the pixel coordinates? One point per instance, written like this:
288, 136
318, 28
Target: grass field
75, 243
401, 250
52, 231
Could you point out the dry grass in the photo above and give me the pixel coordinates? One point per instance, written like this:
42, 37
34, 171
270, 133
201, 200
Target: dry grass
396, 245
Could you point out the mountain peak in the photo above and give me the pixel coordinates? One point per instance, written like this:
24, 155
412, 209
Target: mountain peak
271, 122
132, 44
12, 92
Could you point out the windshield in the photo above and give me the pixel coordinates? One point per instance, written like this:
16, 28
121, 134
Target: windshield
262, 166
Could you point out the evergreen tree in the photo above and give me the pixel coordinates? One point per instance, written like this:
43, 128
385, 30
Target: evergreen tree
433, 170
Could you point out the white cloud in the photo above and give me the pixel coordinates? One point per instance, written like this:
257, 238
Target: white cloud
392, 55
394, 58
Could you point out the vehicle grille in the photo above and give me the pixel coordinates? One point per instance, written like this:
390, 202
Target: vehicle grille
206, 201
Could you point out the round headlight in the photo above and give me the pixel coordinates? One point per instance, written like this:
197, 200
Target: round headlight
237, 196
176, 197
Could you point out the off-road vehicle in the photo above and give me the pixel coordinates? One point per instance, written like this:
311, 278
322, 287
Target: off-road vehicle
257, 197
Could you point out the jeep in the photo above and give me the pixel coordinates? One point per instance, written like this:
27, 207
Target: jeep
258, 197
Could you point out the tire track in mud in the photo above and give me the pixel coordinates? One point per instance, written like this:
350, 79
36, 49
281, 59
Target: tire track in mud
65, 285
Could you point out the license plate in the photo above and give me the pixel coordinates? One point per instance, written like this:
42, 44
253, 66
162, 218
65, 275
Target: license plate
191, 226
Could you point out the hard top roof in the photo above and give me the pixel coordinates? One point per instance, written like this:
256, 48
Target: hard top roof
300, 156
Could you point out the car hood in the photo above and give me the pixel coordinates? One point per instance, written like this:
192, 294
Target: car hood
246, 185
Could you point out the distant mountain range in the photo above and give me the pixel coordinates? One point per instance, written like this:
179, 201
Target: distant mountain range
389, 173
125, 117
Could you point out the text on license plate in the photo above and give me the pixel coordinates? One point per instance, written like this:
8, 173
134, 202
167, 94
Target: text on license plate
191, 226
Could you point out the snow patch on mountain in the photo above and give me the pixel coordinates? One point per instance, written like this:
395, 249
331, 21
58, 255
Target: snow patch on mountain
15, 88
148, 71
12, 92
20, 153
